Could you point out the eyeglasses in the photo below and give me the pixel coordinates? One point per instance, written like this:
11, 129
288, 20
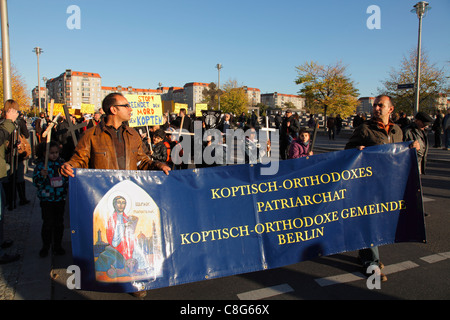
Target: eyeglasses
378, 105
122, 105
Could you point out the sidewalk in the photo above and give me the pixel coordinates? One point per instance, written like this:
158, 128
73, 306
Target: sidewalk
30, 278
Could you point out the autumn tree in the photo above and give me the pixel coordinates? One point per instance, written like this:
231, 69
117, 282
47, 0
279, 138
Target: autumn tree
18, 88
327, 88
432, 83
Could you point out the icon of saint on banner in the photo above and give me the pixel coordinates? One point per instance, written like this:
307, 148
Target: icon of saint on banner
127, 235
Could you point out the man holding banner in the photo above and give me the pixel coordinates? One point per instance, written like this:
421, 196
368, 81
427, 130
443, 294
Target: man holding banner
112, 145
377, 131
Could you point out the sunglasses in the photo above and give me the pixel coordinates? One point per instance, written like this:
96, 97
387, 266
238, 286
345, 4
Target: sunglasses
122, 105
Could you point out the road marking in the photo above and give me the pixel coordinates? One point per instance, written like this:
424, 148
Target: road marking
445, 254
425, 199
341, 278
436, 257
402, 266
349, 277
265, 292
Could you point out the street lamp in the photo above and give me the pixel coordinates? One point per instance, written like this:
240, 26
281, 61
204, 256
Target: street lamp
38, 51
218, 66
420, 10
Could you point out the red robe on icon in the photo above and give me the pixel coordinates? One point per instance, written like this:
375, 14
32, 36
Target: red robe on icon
117, 236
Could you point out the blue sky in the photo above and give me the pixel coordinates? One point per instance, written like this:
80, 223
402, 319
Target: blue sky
259, 43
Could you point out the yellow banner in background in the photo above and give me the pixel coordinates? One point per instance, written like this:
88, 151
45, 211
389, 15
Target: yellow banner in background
147, 110
87, 108
199, 107
178, 106
59, 108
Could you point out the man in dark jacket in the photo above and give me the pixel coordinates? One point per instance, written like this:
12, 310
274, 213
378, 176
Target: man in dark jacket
437, 128
379, 130
288, 132
416, 132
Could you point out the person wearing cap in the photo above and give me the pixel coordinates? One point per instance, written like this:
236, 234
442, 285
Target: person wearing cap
95, 120
416, 132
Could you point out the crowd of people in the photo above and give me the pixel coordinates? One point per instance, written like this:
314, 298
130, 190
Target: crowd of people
107, 142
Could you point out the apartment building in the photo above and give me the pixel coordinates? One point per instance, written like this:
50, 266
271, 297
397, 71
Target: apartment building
279, 100
74, 88
43, 95
365, 105
253, 96
128, 90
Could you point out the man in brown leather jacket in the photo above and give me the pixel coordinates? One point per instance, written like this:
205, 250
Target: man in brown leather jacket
112, 144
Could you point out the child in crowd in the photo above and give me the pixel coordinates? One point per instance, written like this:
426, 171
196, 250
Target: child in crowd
159, 149
52, 190
300, 147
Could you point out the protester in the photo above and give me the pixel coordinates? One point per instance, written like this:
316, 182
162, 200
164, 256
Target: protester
254, 151
403, 121
158, 151
357, 120
51, 191
338, 124
301, 146
331, 126
225, 123
437, 128
288, 132
379, 130
10, 114
416, 132
63, 136
15, 183
278, 120
94, 150
311, 122
446, 128
39, 126
242, 120
95, 120
185, 121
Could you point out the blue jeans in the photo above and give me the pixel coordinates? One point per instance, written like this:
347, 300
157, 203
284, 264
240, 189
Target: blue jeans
369, 256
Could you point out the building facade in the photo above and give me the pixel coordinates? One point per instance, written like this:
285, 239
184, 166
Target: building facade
365, 105
74, 88
281, 100
43, 95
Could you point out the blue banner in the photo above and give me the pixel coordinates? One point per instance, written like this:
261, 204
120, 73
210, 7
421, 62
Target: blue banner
139, 230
